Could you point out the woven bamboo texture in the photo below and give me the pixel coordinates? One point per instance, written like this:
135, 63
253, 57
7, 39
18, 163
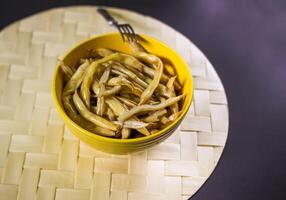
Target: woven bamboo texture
41, 159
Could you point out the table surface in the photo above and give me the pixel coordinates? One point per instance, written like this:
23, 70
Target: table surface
245, 41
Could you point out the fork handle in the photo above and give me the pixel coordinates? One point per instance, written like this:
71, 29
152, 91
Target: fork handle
107, 16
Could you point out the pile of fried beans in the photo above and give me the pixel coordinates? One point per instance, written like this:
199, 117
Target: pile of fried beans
120, 95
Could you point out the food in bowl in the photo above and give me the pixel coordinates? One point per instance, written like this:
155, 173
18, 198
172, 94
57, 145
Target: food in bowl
121, 95
173, 64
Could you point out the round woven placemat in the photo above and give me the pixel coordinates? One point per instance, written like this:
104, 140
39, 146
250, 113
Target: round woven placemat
40, 158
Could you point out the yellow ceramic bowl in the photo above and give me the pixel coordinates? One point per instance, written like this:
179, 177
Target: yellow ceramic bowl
172, 61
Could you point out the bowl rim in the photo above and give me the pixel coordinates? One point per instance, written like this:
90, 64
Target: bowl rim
70, 122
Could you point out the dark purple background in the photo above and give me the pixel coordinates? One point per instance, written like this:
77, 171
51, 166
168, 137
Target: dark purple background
246, 42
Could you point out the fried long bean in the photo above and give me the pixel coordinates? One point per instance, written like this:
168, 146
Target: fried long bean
70, 87
126, 101
75, 80
120, 80
154, 116
110, 114
133, 97
112, 91
68, 71
170, 86
165, 120
174, 116
95, 86
158, 66
85, 113
119, 109
125, 133
104, 78
129, 61
119, 73
137, 47
100, 99
68, 106
103, 52
93, 128
130, 74
126, 59
144, 108
154, 131
72, 112
160, 90
88, 78
164, 78
133, 124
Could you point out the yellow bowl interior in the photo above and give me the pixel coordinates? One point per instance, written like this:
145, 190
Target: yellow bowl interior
172, 61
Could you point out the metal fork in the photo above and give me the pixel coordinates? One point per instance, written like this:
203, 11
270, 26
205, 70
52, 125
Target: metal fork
124, 29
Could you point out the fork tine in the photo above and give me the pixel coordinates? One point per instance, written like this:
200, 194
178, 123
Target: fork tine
130, 34
134, 36
121, 33
127, 32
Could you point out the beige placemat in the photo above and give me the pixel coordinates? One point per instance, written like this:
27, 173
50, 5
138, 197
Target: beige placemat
40, 158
